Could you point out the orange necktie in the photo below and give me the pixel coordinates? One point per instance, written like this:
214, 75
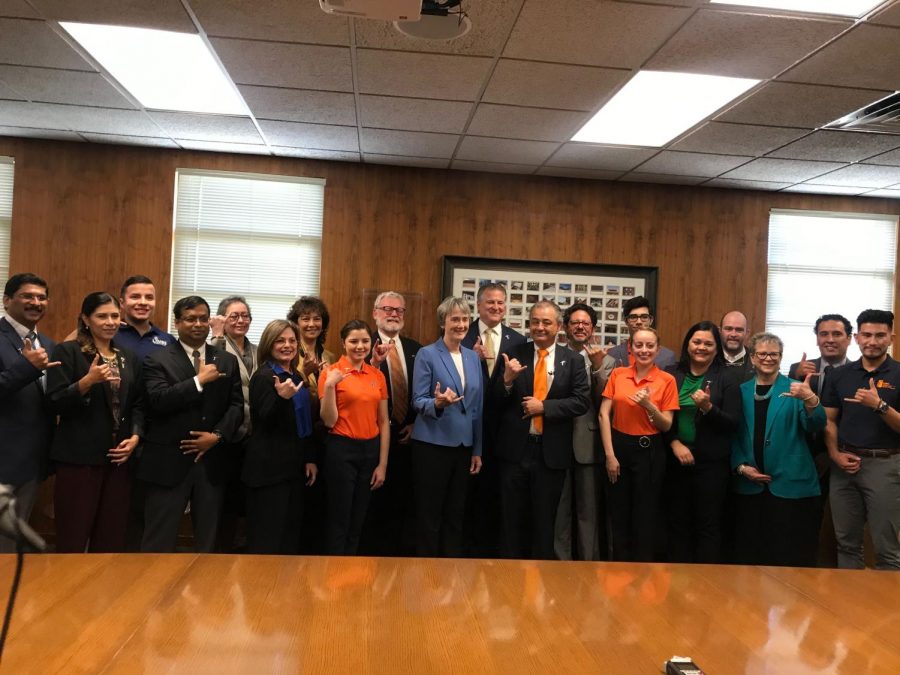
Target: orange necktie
540, 386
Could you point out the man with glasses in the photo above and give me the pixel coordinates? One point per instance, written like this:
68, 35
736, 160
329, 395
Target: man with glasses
638, 314
194, 402
390, 519
863, 440
26, 425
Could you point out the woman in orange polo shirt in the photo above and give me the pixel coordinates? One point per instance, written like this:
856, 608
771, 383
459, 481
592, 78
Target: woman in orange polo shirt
354, 407
638, 404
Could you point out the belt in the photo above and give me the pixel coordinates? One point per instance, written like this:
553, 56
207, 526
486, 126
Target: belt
535, 438
874, 453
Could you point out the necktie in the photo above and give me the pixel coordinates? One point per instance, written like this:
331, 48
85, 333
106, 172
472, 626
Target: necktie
399, 389
196, 356
820, 384
32, 336
490, 350
540, 386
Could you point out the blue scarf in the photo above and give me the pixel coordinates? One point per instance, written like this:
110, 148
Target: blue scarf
301, 401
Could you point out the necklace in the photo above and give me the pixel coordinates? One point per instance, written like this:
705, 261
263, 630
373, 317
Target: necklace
763, 397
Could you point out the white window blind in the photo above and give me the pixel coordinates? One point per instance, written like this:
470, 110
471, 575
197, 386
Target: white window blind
6, 200
826, 263
254, 235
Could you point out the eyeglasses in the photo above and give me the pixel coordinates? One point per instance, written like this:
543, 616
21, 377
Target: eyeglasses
768, 356
399, 311
193, 319
638, 317
234, 318
576, 324
31, 297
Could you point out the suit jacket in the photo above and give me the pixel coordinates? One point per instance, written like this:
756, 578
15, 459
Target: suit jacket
814, 380
665, 358
460, 423
174, 407
787, 456
715, 429
275, 453
568, 397
586, 427
26, 422
410, 349
85, 428
508, 339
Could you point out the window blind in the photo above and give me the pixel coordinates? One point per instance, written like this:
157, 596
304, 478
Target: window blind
826, 263
254, 235
6, 200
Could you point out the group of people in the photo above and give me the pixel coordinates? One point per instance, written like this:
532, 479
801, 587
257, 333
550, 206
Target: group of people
481, 443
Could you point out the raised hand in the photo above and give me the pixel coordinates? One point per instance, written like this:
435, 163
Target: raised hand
334, 376
208, 373
805, 368
445, 399
511, 369
100, 372
596, 353
380, 352
37, 357
642, 397
867, 397
802, 390
217, 325
701, 400
311, 365
286, 389
479, 349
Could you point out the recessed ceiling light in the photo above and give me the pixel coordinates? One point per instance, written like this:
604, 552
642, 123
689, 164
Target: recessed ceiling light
839, 7
163, 70
654, 107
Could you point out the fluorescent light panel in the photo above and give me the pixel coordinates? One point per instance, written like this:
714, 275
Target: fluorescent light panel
840, 7
655, 107
163, 70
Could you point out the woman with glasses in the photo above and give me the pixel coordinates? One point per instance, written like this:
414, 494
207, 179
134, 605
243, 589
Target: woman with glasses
637, 408
777, 502
699, 467
97, 393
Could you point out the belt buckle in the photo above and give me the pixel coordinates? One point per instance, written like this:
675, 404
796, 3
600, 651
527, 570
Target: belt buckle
644, 441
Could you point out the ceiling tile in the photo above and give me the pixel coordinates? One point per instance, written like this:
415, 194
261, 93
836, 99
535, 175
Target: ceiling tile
605, 158
745, 184
49, 134
781, 170
159, 14
215, 128
9, 94
397, 160
286, 65
116, 139
315, 153
300, 105
891, 158
867, 56
838, 146
737, 139
106, 120
592, 33
300, 135
667, 179
275, 20
216, 146
890, 194
35, 115
669, 162
491, 24
890, 16
742, 45
861, 175
407, 143
32, 43
47, 85
492, 167
539, 124
799, 105
421, 75
413, 114
565, 172
17, 8
552, 85
504, 150
826, 189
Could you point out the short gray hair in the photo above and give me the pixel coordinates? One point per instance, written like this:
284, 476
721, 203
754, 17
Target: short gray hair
546, 303
231, 299
449, 304
388, 294
756, 338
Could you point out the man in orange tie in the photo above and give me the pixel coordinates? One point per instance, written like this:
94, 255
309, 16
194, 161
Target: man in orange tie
539, 388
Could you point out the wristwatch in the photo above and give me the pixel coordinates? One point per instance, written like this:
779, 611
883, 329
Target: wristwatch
218, 434
882, 408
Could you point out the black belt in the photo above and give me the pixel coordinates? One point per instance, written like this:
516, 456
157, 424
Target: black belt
873, 453
535, 438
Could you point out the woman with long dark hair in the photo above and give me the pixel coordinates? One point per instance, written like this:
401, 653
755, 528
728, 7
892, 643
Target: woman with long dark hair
698, 471
96, 391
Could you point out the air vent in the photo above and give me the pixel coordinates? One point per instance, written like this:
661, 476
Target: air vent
881, 117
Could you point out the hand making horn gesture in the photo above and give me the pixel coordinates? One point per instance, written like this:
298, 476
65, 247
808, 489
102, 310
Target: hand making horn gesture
802, 390
100, 372
595, 353
701, 399
479, 349
867, 397
217, 325
333, 376
804, 368
311, 364
448, 398
208, 372
37, 356
380, 352
287, 388
642, 397
511, 369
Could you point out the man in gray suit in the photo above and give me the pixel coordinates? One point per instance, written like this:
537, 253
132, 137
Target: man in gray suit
583, 484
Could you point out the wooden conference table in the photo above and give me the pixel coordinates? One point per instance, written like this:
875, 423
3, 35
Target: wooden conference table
260, 615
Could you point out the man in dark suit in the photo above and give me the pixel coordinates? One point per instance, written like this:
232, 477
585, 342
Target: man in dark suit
490, 339
538, 389
26, 424
390, 520
193, 403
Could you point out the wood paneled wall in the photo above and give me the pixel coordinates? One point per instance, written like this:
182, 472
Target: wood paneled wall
86, 216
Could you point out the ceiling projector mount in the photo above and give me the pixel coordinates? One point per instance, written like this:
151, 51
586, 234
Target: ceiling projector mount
421, 19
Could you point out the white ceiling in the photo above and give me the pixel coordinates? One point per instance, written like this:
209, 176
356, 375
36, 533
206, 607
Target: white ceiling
503, 98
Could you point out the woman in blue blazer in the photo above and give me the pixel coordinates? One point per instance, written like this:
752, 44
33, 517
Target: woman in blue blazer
776, 509
448, 392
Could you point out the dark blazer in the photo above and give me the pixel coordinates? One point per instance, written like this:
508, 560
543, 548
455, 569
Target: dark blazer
174, 407
508, 339
410, 349
275, 453
26, 422
715, 429
568, 397
85, 428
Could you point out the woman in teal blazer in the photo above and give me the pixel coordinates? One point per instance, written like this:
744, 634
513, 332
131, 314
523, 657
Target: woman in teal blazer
777, 500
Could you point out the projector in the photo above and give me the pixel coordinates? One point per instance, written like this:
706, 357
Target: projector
386, 10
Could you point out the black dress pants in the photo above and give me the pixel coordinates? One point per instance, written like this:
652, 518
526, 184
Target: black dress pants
440, 477
695, 503
274, 517
349, 464
772, 530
